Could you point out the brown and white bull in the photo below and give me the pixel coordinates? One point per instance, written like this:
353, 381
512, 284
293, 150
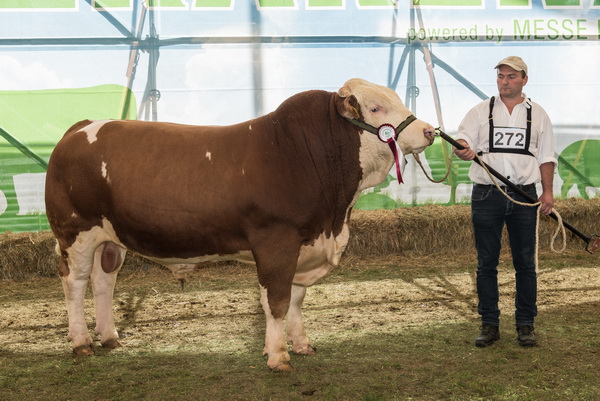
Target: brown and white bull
276, 190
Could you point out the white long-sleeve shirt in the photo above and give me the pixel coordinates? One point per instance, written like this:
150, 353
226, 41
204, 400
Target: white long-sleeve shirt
518, 168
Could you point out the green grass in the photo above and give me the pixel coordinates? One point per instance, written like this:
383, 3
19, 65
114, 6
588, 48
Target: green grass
439, 363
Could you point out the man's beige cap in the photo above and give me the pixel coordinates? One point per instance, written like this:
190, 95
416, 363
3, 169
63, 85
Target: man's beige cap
515, 62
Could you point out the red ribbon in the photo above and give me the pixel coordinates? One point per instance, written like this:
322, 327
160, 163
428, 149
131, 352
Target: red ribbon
386, 133
392, 143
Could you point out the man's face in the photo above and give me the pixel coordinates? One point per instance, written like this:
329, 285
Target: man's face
510, 82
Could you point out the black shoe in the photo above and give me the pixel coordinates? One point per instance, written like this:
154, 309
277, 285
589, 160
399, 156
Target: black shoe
488, 335
526, 336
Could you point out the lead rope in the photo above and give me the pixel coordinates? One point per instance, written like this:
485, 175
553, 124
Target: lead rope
418, 159
560, 226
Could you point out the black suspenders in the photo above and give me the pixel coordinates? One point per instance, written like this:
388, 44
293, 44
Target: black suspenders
524, 151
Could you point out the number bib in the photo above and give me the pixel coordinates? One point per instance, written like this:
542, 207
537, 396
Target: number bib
509, 139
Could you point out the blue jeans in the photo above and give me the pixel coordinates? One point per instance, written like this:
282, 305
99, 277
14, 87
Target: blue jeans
490, 210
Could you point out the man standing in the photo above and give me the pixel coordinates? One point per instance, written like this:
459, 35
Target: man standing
513, 135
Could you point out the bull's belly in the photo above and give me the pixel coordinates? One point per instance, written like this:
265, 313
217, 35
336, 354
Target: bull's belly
243, 256
314, 261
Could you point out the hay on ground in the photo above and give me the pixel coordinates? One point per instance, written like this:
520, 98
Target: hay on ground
410, 231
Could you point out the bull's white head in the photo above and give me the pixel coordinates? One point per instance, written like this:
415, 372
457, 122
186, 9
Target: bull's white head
376, 105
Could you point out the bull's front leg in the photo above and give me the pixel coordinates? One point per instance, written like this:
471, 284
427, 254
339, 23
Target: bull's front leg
275, 346
296, 333
276, 254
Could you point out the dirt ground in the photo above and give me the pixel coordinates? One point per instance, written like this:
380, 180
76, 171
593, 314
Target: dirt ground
219, 307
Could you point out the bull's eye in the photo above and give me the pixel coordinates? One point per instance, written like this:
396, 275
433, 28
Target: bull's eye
374, 109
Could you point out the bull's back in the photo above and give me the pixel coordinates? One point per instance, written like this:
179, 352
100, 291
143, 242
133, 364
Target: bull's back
164, 185
125, 156
144, 175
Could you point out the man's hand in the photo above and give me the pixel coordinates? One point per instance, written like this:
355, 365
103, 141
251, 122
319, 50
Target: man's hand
466, 153
547, 200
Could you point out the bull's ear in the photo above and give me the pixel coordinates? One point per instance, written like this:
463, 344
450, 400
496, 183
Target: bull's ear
347, 106
344, 91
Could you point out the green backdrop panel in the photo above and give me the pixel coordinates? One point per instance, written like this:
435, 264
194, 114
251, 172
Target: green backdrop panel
31, 123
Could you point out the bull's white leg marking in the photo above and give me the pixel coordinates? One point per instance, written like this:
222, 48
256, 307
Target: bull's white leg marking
74, 286
103, 285
92, 130
209, 156
105, 172
296, 334
80, 259
275, 346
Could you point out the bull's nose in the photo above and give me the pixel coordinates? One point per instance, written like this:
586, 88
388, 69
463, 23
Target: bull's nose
429, 133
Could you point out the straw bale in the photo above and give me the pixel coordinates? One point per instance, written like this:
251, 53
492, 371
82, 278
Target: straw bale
25, 254
410, 231
427, 229
416, 230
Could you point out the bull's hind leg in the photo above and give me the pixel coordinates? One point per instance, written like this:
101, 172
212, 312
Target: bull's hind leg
296, 334
75, 267
108, 260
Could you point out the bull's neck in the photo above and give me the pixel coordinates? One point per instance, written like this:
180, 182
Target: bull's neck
376, 160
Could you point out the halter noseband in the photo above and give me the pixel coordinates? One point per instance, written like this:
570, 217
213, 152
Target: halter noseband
375, 131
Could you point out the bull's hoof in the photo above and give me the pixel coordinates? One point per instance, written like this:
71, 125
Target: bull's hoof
111, 344
307, 350
282, 367
83, 350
